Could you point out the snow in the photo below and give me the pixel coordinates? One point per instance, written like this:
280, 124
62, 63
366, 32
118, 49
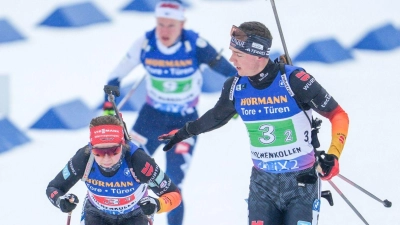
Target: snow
56, 65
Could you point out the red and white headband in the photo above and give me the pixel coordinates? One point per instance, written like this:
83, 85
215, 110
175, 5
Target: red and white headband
170, 10
106, 134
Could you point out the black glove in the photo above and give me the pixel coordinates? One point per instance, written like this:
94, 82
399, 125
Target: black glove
281, 59
329, 165
67, 203
149, 205
174, 137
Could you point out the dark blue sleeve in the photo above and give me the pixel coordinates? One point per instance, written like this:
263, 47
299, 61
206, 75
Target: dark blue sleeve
208, 55
114, 82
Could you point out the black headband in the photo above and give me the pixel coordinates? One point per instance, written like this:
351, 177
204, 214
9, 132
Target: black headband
250, 44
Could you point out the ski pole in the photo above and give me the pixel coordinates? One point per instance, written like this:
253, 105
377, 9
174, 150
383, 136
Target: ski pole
71, 200
130, 93
150, 221
69, 218
347, 201
281, 32
112, 92
385, 202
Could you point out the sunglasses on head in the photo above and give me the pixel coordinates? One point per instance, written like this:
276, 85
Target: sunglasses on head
250, 43
239, 34
111, 151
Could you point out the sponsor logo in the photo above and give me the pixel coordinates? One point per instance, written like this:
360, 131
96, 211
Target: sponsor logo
267, 110
127, 172
315, 105
155, 71
257, 46
286, 83
159, 179
308, 84
237, 42
168, 63
72, 167
273, 110
257, 52
169, 5
103, 131
176, 71
156, 173
316, 205
109, 184
264, 100
65, 172
257, 222
235, 80
303, 76
163, 184
134, 175
262, 76
166, 200
240, 87
303, 223
111, 201
165, 188
327, 98
278, 165
147, 169
275, 155
342, 138
54, 193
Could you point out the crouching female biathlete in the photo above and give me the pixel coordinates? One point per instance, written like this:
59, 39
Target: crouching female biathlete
117, 181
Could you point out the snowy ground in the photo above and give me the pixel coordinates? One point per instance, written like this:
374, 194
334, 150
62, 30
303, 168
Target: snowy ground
56, 65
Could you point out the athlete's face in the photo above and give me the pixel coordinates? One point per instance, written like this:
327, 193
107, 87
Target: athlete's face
246, 64
107, 155
168, 30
